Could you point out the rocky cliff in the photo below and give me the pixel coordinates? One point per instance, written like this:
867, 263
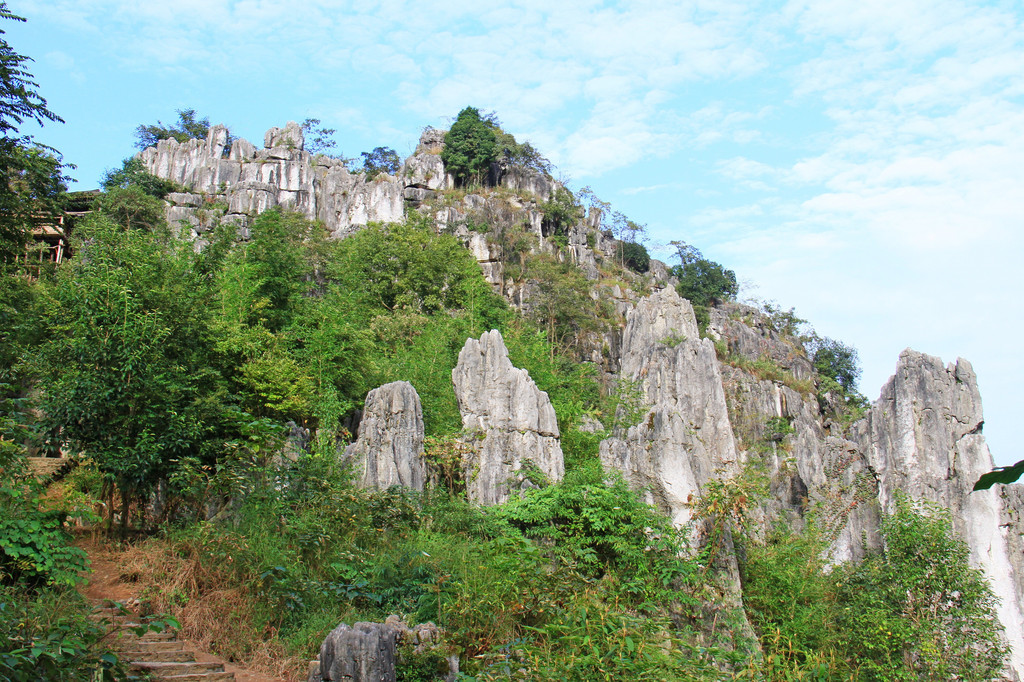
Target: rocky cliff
746, 396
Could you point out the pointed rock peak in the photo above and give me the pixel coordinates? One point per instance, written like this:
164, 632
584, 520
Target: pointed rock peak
389, 449
290, 136
511, 423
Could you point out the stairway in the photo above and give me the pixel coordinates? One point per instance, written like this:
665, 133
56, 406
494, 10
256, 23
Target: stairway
160, 655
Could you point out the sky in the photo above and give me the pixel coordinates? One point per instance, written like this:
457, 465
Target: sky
857, 160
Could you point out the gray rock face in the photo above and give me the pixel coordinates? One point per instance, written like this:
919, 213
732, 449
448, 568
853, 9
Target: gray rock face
368, 652
747, 333
685, 438
923, 437
290, 136
389, 449
509, 420
250, 181
363, 652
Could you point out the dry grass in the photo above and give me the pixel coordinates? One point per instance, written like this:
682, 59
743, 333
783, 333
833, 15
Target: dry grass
213, 611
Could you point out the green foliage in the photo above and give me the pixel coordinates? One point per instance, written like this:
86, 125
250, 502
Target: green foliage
634, 256
125, 367
469, 147
561, 212
381, 160
34, 548
704, 282
188, 127
400, 267
562, 304
791, 602
31, 176
918, 610
598, 525
1005, 475
512, 154
132, 207
783, 321
49, 636
837, 361
133, 173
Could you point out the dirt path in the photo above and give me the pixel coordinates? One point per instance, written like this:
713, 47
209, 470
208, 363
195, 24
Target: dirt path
105, 583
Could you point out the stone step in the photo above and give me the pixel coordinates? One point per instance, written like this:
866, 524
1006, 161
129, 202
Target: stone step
162, 669
179, 656
200, 677
151, 645
129, 636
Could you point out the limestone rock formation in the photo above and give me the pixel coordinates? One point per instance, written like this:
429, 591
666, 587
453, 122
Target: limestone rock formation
363, 652
510, 422
389, 448
923, 436
368, 652
684, 439
248, 181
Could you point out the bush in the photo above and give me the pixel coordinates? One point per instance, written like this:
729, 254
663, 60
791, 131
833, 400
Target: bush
918, 610
837, 361
49, 636
634, 256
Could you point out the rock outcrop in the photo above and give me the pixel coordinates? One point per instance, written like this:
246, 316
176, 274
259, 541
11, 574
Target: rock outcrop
247, 181
509, 422
389, 448
684, 438
368, 652
923, 437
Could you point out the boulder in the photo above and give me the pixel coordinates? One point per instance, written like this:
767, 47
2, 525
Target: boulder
389, 447
368, 652
510, 423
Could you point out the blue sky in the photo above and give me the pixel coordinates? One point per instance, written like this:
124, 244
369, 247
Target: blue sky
859, 160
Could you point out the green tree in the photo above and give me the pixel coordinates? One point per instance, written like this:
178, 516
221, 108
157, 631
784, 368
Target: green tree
917, 609
561, 212
470, 146
318, 140
381, 160
125, 371
836, 360
188, 127
634, 256
561, 304
31, 176
133, 173
703, 282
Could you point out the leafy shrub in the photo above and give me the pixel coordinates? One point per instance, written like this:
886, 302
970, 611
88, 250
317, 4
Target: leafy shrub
789, 598
917, 609
34, 548
561, 212
600, 525
49, 636
634, 256
133, 173
837, 361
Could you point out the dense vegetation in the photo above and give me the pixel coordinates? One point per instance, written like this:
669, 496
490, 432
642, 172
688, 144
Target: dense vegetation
179, 379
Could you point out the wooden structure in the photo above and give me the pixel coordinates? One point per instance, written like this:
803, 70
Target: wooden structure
50, 233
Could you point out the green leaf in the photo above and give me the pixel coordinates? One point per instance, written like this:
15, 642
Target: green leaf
1003, 475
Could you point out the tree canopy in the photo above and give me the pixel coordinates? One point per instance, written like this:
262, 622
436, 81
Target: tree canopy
31, 176
469, 147
188, 127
